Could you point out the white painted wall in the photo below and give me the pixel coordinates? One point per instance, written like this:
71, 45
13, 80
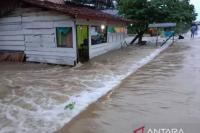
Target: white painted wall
114, 39
34, 32
114, 42
11, 37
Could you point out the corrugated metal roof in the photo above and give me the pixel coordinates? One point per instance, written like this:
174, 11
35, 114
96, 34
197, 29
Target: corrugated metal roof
162, 25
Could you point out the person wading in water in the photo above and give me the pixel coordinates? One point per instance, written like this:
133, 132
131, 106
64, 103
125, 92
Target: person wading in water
193, 30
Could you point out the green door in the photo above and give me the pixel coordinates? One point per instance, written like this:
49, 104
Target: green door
82, 43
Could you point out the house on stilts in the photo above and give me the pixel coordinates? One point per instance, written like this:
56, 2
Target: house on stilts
55, 33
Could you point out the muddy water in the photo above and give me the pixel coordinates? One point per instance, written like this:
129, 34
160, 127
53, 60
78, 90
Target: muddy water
33, 96
166, 91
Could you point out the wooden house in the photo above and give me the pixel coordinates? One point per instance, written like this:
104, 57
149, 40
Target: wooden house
54, 33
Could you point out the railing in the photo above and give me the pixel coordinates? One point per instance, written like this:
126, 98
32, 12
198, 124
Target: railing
124, 44
172, 36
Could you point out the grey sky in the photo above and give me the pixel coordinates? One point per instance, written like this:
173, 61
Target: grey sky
197, 7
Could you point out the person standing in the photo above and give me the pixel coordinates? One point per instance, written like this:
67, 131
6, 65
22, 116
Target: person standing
196, 32
193, 30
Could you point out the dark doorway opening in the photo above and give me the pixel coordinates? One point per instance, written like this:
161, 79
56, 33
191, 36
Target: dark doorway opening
82, 43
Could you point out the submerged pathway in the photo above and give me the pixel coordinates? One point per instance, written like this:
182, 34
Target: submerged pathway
164, 93
33, 96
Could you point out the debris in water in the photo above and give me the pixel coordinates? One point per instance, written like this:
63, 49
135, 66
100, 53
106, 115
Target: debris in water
70, 106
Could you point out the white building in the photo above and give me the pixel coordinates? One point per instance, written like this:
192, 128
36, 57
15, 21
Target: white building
54, 33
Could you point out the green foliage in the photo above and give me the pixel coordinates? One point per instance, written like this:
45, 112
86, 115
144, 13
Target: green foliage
70, 106
151, 11
182, 27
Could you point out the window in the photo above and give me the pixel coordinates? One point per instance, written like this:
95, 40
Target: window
64, 37
98, 34
120, 29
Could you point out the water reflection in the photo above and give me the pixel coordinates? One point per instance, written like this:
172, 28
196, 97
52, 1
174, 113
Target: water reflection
164, 91
33, 96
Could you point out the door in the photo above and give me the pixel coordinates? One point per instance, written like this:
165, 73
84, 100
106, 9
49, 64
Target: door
82, 43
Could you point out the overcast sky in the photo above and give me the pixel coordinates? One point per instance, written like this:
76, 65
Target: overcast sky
197, 7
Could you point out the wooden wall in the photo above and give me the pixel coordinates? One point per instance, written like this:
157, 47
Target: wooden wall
11, 34
33, 30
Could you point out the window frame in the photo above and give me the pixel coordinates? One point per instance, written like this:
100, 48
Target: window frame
106, 29
56, 40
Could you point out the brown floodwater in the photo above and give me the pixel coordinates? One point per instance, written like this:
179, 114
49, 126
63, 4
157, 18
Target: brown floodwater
33, 97
164, 93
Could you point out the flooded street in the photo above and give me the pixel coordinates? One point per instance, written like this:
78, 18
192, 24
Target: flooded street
99, 66
33, 97
164, 92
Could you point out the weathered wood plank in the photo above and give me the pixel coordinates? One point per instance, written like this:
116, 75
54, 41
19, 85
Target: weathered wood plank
38, 25
66, 61
40, 45
29, 32
11, 43
60, 50
49, 57
12, 38
48, 38
50, 53
7, 33
14, 48
38, 31
115, 38
39, 39
110, 38
9, 27
11, 20
32, 38
63, 24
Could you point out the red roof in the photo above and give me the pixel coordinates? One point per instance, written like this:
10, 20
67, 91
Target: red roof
77, 11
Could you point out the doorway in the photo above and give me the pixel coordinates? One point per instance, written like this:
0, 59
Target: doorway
82, 32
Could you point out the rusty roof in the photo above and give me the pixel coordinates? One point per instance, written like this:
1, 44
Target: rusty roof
78, 11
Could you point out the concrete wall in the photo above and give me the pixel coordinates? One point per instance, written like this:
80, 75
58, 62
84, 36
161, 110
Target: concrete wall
114, 42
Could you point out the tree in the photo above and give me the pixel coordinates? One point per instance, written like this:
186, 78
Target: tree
151, 11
